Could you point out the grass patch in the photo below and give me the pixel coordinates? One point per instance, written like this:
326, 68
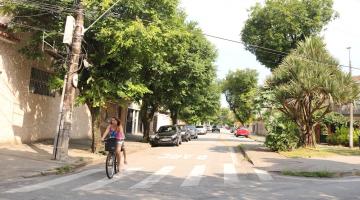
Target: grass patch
64, 169
321, 151
316, 174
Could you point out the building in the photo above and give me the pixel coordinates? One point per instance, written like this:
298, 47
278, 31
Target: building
29, 110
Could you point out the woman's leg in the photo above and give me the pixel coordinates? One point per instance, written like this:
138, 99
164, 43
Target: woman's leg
124, 151
118, 156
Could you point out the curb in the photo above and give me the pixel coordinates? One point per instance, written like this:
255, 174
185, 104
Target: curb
336, 175
73, 167
244, 153
279, 173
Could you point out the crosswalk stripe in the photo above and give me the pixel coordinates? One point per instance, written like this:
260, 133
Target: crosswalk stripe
154, 178
233, 155
263, 175
105, 181
202, 157
195, 176
230, 176
53, 182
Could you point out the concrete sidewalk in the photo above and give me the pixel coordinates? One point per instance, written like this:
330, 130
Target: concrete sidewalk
29, 160
264, 159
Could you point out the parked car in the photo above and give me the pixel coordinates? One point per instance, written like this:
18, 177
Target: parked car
193, 132
215, 129
201, 130
242, 132
208, 128
185, 133
166, 135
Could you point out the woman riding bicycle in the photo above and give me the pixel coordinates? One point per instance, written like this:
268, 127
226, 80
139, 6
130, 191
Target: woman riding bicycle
115, 130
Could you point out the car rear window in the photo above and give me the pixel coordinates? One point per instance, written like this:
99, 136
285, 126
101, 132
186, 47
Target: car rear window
199, 126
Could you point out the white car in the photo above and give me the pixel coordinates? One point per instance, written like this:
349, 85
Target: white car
201, 130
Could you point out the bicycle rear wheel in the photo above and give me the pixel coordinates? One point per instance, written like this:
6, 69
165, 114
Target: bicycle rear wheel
110, 165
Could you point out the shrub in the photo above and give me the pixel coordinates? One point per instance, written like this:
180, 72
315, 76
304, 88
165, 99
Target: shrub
283, 134
341, 136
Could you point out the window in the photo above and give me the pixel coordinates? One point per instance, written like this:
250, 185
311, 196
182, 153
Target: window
40, 82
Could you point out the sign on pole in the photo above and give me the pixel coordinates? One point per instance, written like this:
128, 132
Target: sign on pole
69, 30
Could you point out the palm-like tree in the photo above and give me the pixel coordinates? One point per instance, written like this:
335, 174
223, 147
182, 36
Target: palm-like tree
308, 84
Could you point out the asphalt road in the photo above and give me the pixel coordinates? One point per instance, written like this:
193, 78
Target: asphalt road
207, 168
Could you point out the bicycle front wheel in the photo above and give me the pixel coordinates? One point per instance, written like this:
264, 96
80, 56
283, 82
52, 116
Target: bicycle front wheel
110, 165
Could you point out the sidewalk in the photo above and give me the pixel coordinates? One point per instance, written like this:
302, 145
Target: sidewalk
28, 160
264, 159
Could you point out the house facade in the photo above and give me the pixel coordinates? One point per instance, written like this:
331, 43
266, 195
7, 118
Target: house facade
29, 111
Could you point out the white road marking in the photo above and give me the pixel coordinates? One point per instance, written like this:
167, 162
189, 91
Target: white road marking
202, 157
233, 156
53, 182
230, 176
175, 156
187, 156
193, 179
105, 181
263, 175
154, 178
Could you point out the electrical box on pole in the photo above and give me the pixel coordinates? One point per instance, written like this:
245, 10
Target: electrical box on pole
69, 30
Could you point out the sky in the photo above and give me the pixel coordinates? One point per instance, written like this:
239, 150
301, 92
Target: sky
226, 18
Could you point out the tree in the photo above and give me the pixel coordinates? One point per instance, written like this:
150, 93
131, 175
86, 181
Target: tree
119, 47
240, 88
308, 83
193, 57
279, 25
205, 105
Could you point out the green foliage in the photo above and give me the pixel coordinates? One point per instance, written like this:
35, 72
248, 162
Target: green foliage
283, 134
240, 88
205, 105
143, 50
279, 25
341, 136
308, 83
334, 119
224, 117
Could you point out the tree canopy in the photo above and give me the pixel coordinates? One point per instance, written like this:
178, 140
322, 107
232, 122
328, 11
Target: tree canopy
240, 88
141, 51
275, 28
307, 85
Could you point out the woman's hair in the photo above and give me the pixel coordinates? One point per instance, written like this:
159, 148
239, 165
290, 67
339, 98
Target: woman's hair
117, 120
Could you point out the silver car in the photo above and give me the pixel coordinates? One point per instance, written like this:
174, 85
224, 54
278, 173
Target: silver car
201, 130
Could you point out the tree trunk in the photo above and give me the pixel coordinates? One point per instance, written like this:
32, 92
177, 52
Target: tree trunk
309, 136
174, 116
95, 129
147, 116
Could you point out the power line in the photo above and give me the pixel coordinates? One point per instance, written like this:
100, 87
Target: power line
272, 51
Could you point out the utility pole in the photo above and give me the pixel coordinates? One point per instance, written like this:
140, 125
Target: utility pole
351, 143
62, 138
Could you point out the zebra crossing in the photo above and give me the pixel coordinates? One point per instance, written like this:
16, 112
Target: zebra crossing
230, 176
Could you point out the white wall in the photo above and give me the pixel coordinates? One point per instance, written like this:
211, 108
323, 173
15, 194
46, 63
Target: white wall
163, 120
24, 116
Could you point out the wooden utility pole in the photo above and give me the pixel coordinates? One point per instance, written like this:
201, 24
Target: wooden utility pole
62, 138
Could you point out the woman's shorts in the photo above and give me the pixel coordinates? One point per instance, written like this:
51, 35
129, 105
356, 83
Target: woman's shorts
121, 143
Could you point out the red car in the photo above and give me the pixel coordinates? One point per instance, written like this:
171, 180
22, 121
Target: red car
242, 132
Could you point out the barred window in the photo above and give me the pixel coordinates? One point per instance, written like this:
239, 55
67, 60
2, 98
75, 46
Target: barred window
40, 82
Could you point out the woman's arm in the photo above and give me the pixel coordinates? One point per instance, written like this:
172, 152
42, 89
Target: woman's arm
122, 131
105, 133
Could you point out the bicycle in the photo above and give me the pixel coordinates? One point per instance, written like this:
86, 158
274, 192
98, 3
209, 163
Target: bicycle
111, 161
